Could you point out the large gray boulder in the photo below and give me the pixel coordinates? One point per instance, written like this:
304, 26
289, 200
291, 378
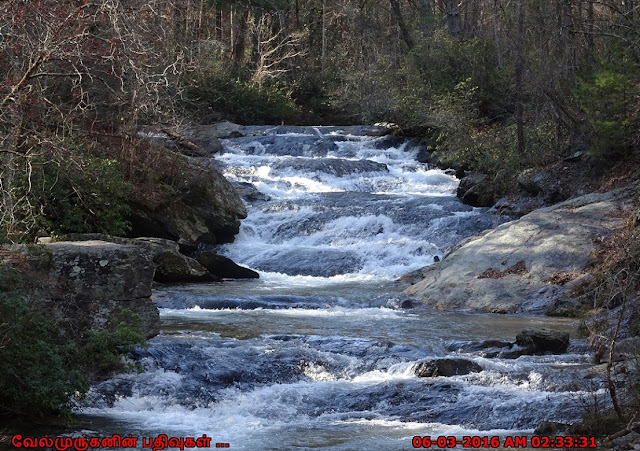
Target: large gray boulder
196, 205
513, 268
86, 284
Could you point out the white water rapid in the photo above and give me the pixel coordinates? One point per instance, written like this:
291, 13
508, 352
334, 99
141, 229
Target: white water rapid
319, 353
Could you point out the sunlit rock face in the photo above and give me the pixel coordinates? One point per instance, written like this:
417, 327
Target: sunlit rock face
514, 267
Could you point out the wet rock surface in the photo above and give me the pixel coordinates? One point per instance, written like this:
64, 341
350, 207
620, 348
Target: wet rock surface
540, 341
224, 267
334, 166
174, 267
446, 367
537, 341
311, 262
477, 190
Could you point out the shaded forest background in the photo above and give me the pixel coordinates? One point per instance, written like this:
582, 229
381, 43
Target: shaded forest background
493, 84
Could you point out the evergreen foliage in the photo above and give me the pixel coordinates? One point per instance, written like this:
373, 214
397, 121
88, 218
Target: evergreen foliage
607, 96
44, 367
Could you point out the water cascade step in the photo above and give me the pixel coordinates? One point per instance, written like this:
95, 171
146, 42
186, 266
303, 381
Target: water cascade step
319, 353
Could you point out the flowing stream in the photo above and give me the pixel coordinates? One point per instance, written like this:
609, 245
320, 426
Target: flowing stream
320, 352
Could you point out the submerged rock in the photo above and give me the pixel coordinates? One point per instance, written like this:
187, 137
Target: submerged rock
249, 192
334, 166
543, 243
486, 348
295, 146
446, 367
528, 342
550, 428
310, 262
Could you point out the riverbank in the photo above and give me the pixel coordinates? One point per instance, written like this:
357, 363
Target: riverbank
572, 258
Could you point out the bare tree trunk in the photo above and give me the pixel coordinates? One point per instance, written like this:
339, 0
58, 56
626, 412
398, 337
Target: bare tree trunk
296, 20
496, 37
473, 18
219, 25
239, 45
231, 36
519, 80
285, 32
255, 39
200, 17
453, 17
324, 34
426, 17
590, 43
397, 14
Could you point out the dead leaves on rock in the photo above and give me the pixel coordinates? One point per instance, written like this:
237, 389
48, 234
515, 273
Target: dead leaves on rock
561, 277
519, 269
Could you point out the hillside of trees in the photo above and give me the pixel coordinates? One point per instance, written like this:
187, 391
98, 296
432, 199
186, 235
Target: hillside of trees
494, 84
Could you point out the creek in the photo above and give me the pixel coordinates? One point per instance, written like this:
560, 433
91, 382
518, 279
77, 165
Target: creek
320, 352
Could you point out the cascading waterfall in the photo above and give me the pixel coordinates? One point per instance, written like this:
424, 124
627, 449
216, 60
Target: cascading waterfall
320, 352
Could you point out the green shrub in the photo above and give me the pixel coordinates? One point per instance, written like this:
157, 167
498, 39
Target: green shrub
62, 187
102, 350
36, 377
81, 194
44, 366
237, 98
607, 96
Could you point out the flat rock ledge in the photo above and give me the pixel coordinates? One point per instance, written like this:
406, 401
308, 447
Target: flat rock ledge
85, 285
523, 266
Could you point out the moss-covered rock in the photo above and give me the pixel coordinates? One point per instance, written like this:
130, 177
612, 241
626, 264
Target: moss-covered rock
85, 285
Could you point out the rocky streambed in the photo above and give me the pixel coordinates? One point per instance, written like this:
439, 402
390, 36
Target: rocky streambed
325, 349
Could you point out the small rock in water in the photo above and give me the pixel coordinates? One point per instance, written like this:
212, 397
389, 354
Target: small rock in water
550, 428
173, 267
446, 367
224, 267
540, 341
487, 348
436, 259
406, 304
